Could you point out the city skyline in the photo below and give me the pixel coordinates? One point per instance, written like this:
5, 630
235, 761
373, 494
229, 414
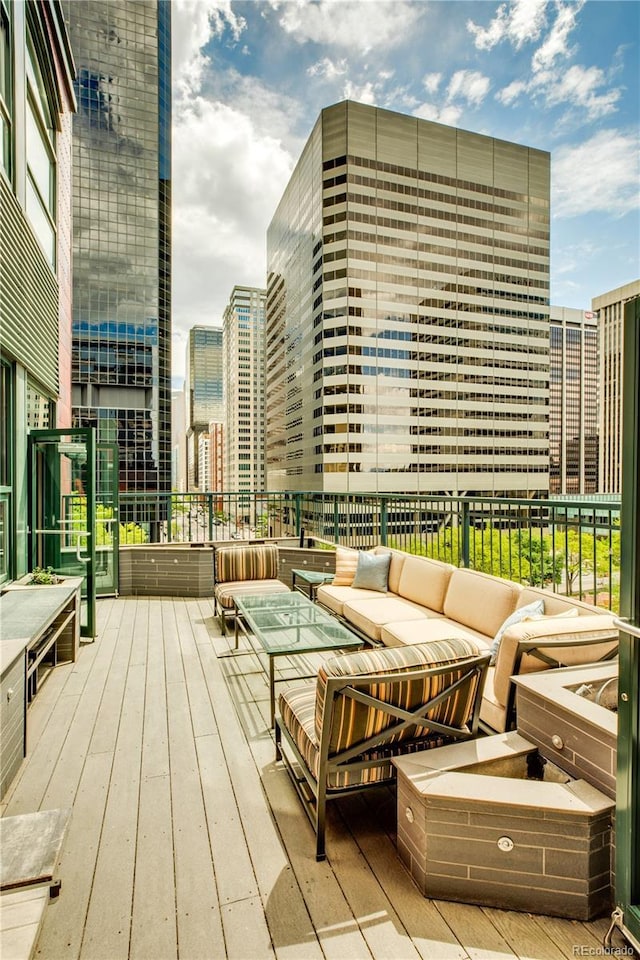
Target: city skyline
250, 78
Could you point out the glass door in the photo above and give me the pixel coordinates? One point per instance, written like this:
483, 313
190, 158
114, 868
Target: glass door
628, 786
107, 520
62, 509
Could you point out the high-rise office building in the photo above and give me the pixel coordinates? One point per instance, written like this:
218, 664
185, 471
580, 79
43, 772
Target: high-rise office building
407, 329
610, 310
244, 389
122, 225
204, 393
573, 401
36, 106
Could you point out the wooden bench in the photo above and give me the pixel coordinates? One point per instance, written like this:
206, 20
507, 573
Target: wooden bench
30, 846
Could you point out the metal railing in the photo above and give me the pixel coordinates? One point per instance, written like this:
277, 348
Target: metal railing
571, 546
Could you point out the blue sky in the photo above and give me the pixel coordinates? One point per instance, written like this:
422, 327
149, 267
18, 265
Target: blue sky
251, 77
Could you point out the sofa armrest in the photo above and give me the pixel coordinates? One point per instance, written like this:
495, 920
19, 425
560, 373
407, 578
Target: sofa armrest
534, 645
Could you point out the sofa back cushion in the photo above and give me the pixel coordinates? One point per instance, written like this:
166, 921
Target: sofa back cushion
425, 581
480, 601
395, 567
555, 603
255, 562
346, 564
353, 721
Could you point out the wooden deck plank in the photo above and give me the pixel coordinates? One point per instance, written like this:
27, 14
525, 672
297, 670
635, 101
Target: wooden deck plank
154, 793
108, 923
199, 922
153, 921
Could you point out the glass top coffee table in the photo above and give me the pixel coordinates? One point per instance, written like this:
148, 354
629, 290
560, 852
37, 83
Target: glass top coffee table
287, 624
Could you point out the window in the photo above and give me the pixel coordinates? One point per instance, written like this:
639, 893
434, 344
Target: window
41, 181
5, 472
5, 94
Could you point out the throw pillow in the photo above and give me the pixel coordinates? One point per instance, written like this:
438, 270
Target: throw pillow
571, 612
372, 572
346, 563
522, 613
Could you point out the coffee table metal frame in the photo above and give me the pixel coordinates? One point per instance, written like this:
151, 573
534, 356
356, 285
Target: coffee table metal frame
289, 624
312, 579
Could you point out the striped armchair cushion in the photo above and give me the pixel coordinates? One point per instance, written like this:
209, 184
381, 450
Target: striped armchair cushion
255, 562
353, 721
302, 708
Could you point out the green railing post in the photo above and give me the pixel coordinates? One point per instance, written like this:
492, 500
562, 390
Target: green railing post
465, 534
210, 512
298, 513
384, 520
169, 517
336, 523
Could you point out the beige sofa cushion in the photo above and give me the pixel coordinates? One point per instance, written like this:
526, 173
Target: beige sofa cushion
480, 601
408, 632
575, 643
334, 598
425, 581
369, 616
395, 567
346, 563
555, 603
492, 713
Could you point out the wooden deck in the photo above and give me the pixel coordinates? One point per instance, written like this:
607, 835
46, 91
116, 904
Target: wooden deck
187, 841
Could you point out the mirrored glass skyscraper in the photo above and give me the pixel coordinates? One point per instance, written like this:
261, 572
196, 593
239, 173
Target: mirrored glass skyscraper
122, 223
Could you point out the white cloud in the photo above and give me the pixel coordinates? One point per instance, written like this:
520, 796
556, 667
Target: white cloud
557, 42
328, 69
193, 24
359, 27
511, 92
520, 21
468, 85
431, 82
228, 179
578, 86
449, 114
599, 175
364, 93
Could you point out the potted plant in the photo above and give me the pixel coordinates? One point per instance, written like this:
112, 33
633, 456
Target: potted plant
42, 575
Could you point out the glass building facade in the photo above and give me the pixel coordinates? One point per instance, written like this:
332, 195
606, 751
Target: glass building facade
122, 232
204, 392
407, 327
573, 401
36, 107
244, 388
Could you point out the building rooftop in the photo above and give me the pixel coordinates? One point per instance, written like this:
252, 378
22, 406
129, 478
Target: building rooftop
187, 840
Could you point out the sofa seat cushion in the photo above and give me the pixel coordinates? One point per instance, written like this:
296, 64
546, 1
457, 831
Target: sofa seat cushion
369, 616
479, 600
431, 628
492, 713
303, 709
334, 598
225, 592
425, 581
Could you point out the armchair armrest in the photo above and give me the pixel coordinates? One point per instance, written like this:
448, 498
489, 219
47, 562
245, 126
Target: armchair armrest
535, 645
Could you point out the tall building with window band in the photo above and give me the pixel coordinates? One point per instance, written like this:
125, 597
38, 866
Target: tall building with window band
244, 388
573, 401
36, 107
610, 309
407, 325
122, 232
204, 394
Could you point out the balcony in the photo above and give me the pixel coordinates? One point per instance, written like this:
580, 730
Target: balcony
186, 840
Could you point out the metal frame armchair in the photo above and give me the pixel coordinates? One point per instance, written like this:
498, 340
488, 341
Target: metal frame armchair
240, 571
342, 731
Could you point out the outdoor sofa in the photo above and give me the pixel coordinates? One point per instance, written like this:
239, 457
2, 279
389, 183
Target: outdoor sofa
417, 600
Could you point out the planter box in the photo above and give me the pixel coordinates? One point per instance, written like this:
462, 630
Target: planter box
472, 827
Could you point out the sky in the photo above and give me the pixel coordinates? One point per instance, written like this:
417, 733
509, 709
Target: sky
251, 77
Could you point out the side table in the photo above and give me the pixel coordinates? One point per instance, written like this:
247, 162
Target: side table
312, 579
